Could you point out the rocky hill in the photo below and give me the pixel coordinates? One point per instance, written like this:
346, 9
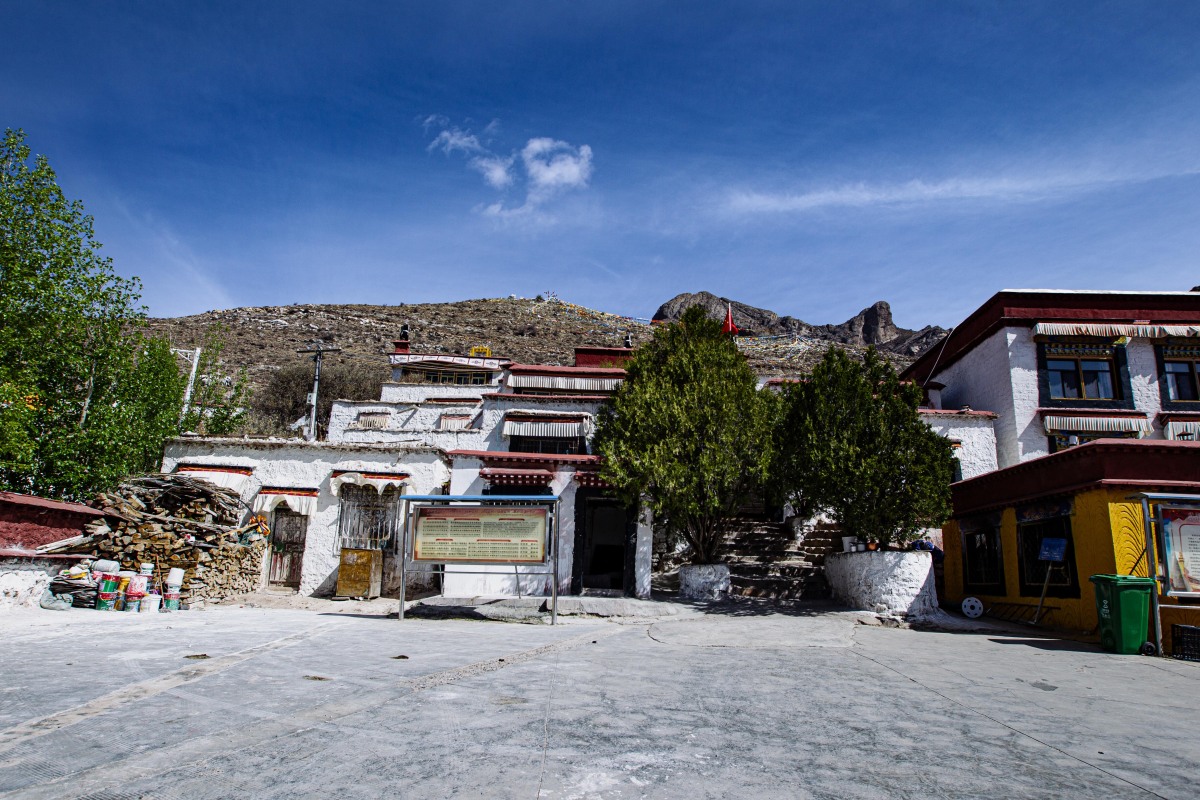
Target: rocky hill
263, 338
871, 326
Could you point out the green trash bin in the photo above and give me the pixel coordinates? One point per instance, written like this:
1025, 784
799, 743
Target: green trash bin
1123, 606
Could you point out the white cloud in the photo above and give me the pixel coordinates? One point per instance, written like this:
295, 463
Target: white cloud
496, 170
546, 167
863, 195
452, 139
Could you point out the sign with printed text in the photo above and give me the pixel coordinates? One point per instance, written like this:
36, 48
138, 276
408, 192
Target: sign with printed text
1053, 549
1181, 550
480, 534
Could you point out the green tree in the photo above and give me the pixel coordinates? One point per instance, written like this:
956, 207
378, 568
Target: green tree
687, 433
849, 442
218, 402
83, 395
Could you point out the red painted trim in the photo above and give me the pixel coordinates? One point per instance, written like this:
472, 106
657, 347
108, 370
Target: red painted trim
455, 401
488, 456
1135, 463
290, 491
214, 468
547, 398
1178, 416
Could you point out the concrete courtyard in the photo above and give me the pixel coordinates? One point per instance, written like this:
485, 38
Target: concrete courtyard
806, 703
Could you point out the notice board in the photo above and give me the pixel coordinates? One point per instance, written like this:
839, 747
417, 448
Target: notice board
1181, 546
480, 534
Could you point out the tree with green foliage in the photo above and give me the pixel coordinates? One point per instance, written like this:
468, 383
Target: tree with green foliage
285, 397
849, 442
85, 398
687, 434
218, 403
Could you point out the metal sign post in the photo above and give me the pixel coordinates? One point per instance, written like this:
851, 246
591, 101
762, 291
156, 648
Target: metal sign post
475, 531
1054, 551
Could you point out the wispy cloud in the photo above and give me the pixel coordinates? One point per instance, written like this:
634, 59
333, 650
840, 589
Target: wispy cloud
917, 192
545, 167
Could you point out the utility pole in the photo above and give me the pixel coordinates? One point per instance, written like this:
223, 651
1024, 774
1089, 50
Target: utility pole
194, 357
318, 350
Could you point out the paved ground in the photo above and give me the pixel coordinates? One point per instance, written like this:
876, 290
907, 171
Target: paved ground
807, 704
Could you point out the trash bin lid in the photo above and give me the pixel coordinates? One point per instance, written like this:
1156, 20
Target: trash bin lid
1123, 580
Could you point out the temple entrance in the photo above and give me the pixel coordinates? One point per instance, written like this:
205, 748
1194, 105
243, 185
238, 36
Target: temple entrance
605, 541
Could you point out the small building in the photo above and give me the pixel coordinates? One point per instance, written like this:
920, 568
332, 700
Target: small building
1083, 494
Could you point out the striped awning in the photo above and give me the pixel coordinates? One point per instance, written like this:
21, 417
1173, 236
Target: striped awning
525, 424
1183, 430
377, 480
564, 382
302, 501
454, 422
1057, 424
506, 476
235, 478
1112, 331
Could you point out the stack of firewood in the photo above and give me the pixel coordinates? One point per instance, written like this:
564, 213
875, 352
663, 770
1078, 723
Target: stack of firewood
176, 521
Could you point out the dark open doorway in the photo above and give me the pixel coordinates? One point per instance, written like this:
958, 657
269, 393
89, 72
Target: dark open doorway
605, 541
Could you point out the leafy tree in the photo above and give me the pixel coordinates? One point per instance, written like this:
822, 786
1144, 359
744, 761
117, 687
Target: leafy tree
84, 397
850, 442
285, 398
218, 402
687, 433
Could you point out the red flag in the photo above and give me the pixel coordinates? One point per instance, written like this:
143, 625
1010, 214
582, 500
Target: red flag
729, 327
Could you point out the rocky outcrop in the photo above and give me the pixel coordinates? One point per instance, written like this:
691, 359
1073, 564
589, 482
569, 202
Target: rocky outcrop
871, 326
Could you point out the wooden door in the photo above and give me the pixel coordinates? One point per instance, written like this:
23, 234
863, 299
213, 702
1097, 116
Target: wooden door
287, 547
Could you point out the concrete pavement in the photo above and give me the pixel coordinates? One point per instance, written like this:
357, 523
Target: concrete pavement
805, 704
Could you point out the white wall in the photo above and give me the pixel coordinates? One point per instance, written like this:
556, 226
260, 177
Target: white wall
981, 379
303, 465
977, 436
1143, 375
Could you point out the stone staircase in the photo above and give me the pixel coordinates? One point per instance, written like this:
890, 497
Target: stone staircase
769, 559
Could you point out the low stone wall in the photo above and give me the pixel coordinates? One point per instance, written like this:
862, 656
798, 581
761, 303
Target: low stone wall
24, 576
899, 583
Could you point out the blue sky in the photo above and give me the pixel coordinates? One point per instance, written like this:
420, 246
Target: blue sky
806, 157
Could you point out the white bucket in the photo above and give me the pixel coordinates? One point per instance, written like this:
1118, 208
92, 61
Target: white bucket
147, 569
175, 577
137, 585
150, 602
103, 565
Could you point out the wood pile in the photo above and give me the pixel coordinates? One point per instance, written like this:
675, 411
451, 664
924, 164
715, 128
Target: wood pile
176, 521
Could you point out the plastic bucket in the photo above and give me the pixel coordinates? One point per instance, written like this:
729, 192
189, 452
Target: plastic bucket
132, 602
138, 585
175, 577
106, 601
150, 602
108, 582
106, 565
147, 569
171, 601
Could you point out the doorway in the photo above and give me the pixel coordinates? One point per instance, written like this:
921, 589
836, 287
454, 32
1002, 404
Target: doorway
605, 541
288, 532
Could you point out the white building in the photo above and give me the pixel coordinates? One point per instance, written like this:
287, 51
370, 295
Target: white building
1064, 367
450, 425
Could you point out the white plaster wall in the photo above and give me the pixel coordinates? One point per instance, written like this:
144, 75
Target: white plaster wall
1031, 441
886, 582
419, 392
303, 465
644, 555
22, 582
982, 380
1143, 377
977, 454
491, 416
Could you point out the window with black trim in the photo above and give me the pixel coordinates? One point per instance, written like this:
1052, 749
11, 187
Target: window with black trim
1092, 373
1061, 440
558, 445
1064, 578
983, 558
1180, 377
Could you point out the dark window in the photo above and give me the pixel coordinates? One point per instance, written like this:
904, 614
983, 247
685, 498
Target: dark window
1061, 440
559, 445
521, 491
1181, 381
1081, 378
368, 520
454, 377
983, 561
1064, 580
